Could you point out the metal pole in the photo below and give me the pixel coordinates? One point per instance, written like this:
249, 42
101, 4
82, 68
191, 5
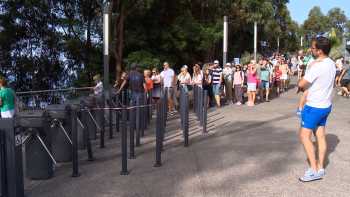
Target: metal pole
162, 117
87, 137
123, 97
131, 124
105, 47
205, 111
150, 107
110, 117
137, 122
75, 142
127, 101
255, 39
102, 122
117, 114
200, 111
142, 116
225, 40
159, 138
194, 98
278, 45
301, 44
186, 122
145, 110
124, 142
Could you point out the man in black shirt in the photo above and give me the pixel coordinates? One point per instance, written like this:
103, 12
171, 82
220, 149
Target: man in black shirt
136, 82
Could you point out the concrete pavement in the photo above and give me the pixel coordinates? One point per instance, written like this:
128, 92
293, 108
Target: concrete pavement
249, 151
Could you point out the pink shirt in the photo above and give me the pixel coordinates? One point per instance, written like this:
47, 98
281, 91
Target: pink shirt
237, 78
251, 78
284, 68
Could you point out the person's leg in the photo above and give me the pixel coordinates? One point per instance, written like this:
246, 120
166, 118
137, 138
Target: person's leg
217, 97
267, 93
249, 93
319, 133
305, 139
174, 96
261, 92
253, 97
228, 85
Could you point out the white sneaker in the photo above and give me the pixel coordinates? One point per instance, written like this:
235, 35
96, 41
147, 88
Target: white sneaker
257, 97
227, 103
339, 93
238, 103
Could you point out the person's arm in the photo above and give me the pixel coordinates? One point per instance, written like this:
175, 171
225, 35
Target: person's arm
200, 79
0, 102
122, 86
172, 82
338, 65
243, 79
253, 71
220, 80
342, 74
159, 79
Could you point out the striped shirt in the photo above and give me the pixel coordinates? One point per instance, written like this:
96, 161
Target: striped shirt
216, 74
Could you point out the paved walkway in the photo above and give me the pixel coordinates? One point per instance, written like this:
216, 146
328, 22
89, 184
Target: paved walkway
249, 151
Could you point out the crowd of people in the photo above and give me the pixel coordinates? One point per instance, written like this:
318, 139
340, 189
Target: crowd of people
256, 79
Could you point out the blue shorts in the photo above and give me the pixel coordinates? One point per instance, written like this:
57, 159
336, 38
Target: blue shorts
313, 117
264, 84
216, 89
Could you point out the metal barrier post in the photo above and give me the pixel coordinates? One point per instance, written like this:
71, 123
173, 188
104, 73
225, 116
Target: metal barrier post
194, 98
186, 121
142, 110
137, 122
166, 106
131, 124
145, 111
118, 112
200, 111
205, 111
123, 97
159, 139
87, 137
127, 102
110, 116
75, 142
124, 142
150, 107
102, 121
162, 118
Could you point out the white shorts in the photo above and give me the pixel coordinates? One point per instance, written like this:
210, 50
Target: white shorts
251, 87
8, 114
284, 76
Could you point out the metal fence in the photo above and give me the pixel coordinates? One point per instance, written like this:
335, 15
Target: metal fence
40, 99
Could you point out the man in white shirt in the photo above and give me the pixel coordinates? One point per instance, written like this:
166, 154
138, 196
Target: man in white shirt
320, 78
169, 81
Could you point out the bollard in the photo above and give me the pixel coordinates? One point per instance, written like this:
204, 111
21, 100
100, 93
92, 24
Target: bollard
75, 142
102, 121
142, 116
118, 112
150, 105
181, 104
131, 124
145, 110
165, 106
87, 137
186, 121
205, 111
127, 102
110, 116
123, 97
124, 142
194, 98
200, 108
158, 138
198, 101
137, 122
162, 118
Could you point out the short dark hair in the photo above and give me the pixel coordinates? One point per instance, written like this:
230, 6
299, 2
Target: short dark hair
324, 44
347, 62
3, 81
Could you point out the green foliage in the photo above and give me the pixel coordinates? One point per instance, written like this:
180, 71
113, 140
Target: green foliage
246, 57
144, 59
335, 42
336, 52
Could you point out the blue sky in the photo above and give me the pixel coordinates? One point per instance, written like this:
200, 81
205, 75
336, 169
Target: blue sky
299, 9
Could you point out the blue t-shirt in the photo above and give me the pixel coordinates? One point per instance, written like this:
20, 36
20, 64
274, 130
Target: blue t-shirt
265, 74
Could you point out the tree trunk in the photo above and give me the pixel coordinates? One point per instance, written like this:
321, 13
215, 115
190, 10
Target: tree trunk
120, 43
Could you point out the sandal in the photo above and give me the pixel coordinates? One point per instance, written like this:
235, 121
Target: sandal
299, 113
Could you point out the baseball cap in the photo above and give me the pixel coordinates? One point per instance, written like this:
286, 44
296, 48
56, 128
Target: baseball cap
185, 66
216, 61
228, 64
133, 65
